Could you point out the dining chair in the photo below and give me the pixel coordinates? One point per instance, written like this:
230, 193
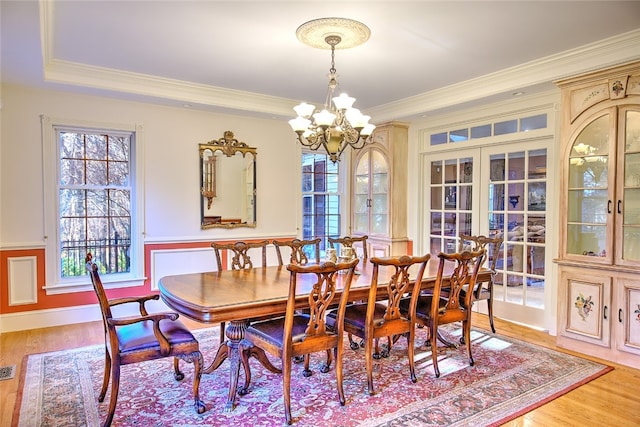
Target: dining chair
298, 334
483, 290
140, 338
240, 260
239, 252
348, 241
436, 309
376, 318
298, 250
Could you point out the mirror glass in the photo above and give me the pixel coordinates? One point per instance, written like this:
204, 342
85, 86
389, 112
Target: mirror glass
227, 183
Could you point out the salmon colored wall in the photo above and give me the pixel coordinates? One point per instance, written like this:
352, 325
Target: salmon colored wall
44, 301
79, 298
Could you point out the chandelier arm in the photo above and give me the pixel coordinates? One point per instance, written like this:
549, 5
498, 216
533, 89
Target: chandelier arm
312, 143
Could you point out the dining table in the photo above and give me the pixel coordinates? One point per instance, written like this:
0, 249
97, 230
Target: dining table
238, 296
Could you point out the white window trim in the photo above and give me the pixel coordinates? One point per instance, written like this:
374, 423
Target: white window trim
50, 161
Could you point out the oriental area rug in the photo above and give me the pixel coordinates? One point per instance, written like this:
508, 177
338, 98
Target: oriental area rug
510, 378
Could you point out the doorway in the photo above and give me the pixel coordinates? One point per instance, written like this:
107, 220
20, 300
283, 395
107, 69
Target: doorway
497, 191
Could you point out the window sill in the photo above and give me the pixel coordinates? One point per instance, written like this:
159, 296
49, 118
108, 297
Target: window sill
68, 288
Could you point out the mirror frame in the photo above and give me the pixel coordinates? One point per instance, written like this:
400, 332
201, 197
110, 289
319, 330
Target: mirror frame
229, 146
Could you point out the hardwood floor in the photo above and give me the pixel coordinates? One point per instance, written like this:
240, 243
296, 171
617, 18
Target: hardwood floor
611, 400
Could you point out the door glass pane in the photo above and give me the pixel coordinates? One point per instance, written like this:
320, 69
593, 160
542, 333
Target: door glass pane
466, 170
450, 226
378, 163
588, 203
466, 193
631, 248
379, 223
537, 196
516, 165
450, 195
631, 191
436, 198
436, 222
496, 167
496, 197
450, 171
537, 164
518, 215
465, 223
589, 240
436, 172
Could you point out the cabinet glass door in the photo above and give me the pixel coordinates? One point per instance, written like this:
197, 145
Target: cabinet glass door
589, 204
371, 198
628, 201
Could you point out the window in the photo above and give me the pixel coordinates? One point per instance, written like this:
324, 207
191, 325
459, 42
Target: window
529, 123
320, 198
91, 204
94, 201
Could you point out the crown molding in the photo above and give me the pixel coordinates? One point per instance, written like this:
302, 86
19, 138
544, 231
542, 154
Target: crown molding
599, 55
602, 54
157, 87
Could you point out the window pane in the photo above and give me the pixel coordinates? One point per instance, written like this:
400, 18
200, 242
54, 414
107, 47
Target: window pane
481, 131
96, 172
533, 122
459, 135
96, 147
71, 172
439, 138
502, 128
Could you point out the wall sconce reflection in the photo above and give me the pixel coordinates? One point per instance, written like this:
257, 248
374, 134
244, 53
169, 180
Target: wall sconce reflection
514, 200
208, 176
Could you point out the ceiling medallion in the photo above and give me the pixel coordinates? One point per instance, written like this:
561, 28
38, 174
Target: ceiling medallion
314, 33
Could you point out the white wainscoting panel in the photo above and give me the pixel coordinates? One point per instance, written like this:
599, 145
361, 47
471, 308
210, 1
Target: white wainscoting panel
13, 322
23, 280
166, 262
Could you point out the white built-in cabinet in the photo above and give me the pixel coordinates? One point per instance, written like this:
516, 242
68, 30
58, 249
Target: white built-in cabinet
599, 256
379, 191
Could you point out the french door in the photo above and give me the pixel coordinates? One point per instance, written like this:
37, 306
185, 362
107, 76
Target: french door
494, 191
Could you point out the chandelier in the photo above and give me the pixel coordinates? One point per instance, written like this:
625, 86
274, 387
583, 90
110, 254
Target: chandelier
337, 125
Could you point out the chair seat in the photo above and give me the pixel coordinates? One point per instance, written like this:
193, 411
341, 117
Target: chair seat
355, 315
139, 336
272, 331
423, 306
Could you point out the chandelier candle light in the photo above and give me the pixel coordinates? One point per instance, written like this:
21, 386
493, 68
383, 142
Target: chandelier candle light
338, 124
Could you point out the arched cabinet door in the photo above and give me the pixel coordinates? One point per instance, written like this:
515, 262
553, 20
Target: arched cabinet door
371, 194
379, 191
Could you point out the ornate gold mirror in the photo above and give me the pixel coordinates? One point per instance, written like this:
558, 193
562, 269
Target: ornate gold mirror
227, 183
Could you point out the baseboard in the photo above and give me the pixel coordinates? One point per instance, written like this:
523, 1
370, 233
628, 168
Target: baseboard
13, 322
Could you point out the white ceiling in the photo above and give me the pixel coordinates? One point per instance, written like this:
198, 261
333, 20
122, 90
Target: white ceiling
244, 57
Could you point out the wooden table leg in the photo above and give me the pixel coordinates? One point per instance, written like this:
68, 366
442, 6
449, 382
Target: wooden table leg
235, 334
230, 349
